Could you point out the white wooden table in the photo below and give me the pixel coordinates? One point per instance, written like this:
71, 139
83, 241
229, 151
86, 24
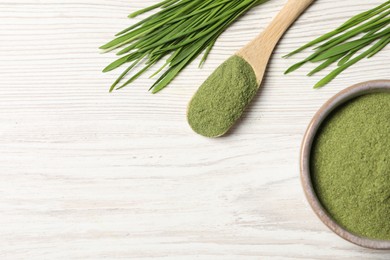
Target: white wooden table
89, 175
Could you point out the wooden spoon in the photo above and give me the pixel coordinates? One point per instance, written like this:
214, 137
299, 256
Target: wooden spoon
226, 103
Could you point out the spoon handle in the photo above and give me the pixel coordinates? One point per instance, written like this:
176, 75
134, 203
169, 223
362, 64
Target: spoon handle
258, 51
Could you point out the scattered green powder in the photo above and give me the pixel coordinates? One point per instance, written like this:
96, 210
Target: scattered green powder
222, 98
351, 166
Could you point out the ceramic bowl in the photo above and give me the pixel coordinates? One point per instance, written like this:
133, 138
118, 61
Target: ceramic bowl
322, 114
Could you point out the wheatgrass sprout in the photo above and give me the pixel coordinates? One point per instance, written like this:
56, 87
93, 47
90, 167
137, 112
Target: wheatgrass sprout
362, 36
178, 33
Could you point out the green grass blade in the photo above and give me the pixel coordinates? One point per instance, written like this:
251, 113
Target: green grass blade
352, 33
382, 44
116, 64
150, 8
325, 64
348, 46
365, 15
340, 69
136, 76
347, 57
119, 79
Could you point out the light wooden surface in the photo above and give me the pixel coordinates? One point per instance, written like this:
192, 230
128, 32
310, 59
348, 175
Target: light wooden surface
89, 175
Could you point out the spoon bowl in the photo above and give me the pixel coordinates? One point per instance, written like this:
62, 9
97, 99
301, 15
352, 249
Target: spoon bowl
222, 99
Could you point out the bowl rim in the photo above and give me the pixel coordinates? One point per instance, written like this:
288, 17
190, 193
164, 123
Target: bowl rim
337, 100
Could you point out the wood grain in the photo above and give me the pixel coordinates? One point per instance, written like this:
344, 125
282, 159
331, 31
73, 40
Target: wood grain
89, 175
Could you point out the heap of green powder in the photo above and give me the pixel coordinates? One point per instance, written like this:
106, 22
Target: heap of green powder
222, 98
351, 166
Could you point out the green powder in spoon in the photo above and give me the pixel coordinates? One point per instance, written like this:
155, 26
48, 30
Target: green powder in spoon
222, 98
351, 166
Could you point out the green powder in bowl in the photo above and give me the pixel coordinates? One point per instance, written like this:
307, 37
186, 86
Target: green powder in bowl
350, 165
